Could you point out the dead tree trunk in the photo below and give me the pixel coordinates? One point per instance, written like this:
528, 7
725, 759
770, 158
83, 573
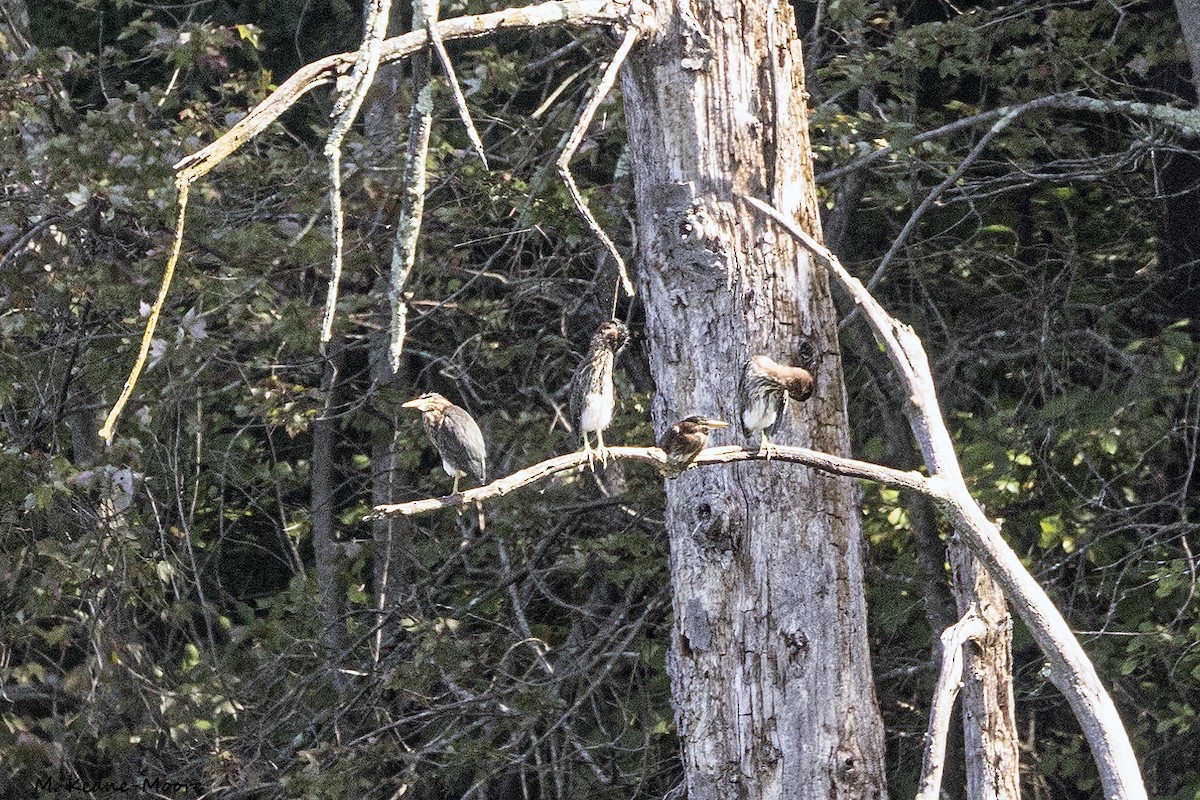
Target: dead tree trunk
988, 709
769, 663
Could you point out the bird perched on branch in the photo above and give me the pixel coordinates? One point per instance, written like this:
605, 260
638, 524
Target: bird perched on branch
765, 388
684, 440
593, 399
456, 436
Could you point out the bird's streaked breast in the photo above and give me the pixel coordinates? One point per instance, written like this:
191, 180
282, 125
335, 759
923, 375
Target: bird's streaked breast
597, 410
758, 415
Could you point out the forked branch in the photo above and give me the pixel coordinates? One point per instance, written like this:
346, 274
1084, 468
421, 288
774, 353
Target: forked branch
575, 138
970, 627
566, 13
1070, 668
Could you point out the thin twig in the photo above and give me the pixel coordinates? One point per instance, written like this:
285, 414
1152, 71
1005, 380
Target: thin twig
834, 465
24, 239
460, 101
576, 138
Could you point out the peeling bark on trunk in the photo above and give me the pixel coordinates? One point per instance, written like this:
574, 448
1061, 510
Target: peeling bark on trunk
988, 709
769, 662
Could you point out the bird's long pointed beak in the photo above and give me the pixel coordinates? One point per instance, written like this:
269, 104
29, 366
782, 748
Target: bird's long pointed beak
411, 403
716, 423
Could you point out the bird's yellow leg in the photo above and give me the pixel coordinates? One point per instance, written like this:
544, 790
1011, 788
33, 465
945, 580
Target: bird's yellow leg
455, 489
601, 450
588, 451
764, 446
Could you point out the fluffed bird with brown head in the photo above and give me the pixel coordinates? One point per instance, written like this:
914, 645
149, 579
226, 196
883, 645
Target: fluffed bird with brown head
593, 398
456, 436
684, 440
765, 388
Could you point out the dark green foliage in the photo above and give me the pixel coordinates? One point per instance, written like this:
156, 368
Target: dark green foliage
160, 603
1062, 329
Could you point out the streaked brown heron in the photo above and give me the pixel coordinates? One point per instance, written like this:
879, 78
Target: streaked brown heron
593, 399
456, 436
684, 440
765, 388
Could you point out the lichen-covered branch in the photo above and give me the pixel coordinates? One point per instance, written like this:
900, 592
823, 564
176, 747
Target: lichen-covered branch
823, 462
412, 200
346, 108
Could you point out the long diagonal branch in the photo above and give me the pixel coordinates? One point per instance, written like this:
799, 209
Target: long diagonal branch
110, 422
1070, 668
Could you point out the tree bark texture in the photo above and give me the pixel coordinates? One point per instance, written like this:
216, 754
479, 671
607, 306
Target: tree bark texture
769, 664
331, 593
1189, 24
988, 709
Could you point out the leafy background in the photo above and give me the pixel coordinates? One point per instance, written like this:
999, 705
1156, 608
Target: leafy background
161, 611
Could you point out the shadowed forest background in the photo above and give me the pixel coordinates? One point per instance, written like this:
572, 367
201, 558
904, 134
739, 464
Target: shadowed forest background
160, 613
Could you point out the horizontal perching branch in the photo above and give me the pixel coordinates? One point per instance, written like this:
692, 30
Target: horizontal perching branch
571, 13
822, 462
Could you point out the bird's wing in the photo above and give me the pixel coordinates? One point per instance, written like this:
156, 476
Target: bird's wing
465, 446
575, 396
743, 393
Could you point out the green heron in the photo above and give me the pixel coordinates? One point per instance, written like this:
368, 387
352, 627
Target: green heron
684, 440
456, 436
765, 388
592, 397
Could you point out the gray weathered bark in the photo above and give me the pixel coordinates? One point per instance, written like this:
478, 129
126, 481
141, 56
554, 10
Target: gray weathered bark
769, 663
1189, 23
988, 708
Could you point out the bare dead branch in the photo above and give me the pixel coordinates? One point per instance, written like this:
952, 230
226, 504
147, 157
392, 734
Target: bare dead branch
948, 683
346, 108
823, 462
412, 205
1185, 122
1071, 669
460, 101
569, 13
578, 131
110, 422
